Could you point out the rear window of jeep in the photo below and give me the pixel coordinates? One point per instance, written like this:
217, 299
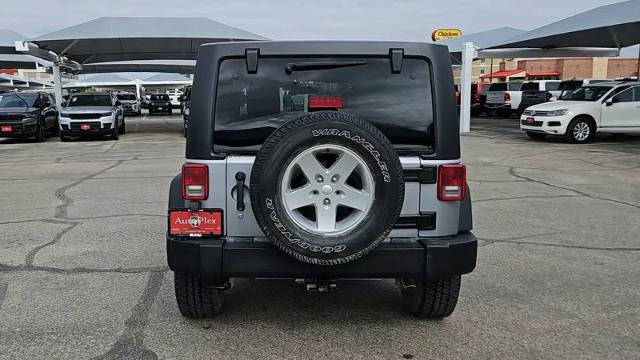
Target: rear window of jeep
251, 106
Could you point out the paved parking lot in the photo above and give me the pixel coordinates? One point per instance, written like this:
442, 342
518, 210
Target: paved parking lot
83, 271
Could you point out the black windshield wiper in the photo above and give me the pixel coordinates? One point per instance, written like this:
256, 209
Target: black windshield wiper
22, 99
321, 65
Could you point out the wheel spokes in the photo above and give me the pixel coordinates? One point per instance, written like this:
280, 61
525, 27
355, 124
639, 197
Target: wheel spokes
326, 218
344, 166
300, 197
312, 190
311, 167
353, 198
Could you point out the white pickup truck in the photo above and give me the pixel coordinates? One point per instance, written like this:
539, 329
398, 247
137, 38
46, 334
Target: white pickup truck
504, 98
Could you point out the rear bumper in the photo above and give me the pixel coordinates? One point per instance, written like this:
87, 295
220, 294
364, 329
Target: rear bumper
434, 258
498, 106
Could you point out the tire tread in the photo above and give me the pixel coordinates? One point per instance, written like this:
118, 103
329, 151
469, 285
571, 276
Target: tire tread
433, 299
197, 297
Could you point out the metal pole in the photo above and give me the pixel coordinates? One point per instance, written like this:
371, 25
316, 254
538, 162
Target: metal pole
491, 72
57, 85
465, 87
638, 78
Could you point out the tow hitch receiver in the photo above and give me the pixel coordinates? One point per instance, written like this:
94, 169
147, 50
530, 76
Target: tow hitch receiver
321, 286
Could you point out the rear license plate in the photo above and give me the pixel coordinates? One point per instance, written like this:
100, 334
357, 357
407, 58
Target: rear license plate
195, 223
160, 108
85, 126
530, 120
6, 129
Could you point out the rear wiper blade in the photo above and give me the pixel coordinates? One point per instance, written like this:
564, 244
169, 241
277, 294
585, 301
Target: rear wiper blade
321, 65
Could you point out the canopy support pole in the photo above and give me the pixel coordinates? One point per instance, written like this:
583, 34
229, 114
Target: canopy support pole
638, 73
138, 89
57, 85
465, 87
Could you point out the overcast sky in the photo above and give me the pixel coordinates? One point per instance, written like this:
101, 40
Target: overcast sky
412, 20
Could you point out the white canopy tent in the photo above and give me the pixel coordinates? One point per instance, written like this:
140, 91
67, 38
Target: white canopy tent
10, 58
16, 82
160, 66
115, 39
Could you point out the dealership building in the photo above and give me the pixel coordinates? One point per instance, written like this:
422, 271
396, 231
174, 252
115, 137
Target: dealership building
495, 70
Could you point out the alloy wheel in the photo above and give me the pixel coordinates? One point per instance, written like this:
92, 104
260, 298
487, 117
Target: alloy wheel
327, 189
581, 131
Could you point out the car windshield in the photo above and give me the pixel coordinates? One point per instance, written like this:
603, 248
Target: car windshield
126, 97
498, 87
552, 85
515, 86
89, 100
17, 100
570, 85
400, 105
159, 97
530, 86
587, 93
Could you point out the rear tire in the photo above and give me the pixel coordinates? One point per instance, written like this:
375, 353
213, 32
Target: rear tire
114, 134
536, 136
432, 299
197, 297
122, 129
40, 132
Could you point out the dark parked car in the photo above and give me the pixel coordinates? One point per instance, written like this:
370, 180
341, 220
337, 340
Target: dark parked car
479, 98
308, 165
27, 115
159, 103
186, 104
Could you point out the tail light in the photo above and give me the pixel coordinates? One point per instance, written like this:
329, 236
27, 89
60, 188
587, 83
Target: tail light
195, 181
507, 97
476, 97
325, 102
452, 180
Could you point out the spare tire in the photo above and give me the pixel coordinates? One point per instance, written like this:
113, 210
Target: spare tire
326, 188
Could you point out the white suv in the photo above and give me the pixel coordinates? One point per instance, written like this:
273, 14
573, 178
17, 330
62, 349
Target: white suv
612, 107
174, 97
96, 113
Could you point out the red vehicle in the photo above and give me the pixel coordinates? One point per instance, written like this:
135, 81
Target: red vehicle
478, 97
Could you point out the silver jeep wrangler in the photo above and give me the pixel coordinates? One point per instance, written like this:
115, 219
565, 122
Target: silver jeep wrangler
320, 161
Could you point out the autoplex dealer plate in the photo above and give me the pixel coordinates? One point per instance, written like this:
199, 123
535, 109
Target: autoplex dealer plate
195, 223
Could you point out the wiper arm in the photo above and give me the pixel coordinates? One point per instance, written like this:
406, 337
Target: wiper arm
321, 65
22, 99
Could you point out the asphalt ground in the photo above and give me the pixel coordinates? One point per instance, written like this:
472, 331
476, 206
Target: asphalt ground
83, 270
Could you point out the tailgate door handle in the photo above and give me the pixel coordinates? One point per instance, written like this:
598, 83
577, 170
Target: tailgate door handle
240, 177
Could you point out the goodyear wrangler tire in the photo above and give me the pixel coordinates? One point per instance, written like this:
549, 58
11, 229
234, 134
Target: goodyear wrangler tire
326, 188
